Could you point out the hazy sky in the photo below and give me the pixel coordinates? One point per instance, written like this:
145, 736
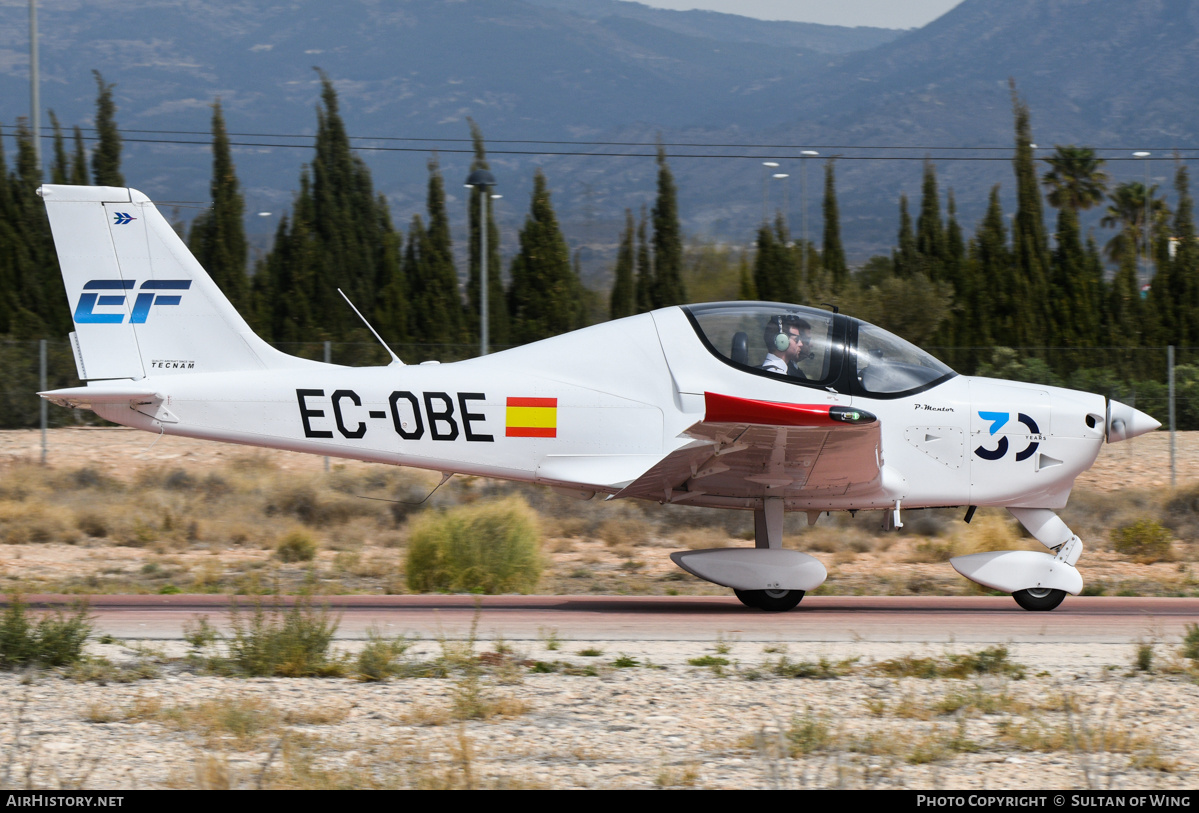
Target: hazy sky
880, 13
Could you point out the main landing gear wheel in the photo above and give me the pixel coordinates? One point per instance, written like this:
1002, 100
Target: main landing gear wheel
1039, 599
773, 601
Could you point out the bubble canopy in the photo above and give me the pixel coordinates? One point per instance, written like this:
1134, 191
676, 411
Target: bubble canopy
816, 348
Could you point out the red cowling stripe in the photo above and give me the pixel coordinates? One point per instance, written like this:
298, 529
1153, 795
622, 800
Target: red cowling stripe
730, 409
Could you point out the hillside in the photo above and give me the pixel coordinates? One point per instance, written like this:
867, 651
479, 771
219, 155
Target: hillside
1096, 72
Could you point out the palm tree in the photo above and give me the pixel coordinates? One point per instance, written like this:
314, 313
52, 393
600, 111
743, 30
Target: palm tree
1075, 179
1129, 205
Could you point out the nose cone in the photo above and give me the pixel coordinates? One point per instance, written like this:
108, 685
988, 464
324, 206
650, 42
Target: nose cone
1124, 422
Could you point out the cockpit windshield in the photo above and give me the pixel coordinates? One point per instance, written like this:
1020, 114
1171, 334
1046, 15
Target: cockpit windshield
886, 364
784, 341
814, 348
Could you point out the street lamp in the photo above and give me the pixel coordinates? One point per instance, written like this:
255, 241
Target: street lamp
786, 194
1145, 156
481, 180
803, 195
35, 103
766, 185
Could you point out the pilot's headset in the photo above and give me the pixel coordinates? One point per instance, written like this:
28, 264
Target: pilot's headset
781, 339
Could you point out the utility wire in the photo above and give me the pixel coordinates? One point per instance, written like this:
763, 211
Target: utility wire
1166, 152
594, 154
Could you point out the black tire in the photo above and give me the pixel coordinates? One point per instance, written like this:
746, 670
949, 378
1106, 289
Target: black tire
747, 597
1039, 599
772, 601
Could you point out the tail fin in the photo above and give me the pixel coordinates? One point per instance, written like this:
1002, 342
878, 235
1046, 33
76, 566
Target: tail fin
141, 302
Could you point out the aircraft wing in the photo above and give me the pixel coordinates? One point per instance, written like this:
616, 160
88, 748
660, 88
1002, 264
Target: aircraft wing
747, 449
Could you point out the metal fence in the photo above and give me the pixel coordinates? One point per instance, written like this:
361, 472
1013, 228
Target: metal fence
1161, 381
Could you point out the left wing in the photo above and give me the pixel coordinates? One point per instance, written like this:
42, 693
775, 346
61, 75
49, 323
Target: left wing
745, 450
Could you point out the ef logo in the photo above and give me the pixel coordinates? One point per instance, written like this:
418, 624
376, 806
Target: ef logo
94, 296
997, 420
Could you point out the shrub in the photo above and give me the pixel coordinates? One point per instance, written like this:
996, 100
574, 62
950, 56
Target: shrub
297, 546
54, 640
486, 547
283, 642
1144, 541
376, 660
1190, 642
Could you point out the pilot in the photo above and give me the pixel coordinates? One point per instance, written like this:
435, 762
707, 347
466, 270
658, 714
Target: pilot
787, 339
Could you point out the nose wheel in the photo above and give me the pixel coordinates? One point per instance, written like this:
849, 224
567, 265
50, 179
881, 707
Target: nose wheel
1039, 599
772, 601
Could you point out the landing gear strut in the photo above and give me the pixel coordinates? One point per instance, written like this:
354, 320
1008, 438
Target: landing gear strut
768, 533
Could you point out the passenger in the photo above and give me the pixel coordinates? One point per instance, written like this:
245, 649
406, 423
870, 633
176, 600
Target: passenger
786, 339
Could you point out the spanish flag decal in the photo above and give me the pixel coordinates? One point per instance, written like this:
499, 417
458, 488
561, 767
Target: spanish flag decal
532, 418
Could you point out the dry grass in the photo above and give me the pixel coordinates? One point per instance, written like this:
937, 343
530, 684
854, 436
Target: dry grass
175, 529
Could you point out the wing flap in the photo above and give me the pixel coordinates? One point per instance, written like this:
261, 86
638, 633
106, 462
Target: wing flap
748, 450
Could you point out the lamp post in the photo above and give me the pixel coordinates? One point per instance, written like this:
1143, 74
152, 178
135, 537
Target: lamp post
766, 185
803, 195
781, 176
481, 181
1148, 227
35, 104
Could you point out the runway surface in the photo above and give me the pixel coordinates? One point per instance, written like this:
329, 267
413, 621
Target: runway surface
933, 619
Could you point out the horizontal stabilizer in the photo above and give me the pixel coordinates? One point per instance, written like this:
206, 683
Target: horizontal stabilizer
85, 397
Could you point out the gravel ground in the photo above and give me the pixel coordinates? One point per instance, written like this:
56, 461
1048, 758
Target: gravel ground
1079, 717
663, 722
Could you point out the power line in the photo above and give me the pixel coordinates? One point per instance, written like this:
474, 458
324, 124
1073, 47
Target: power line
594, 154
1168, 152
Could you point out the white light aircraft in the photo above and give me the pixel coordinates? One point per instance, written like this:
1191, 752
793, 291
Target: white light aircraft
754, 406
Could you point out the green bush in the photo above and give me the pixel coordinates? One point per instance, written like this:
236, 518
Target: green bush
486, 547
284, 642
1143, 541
1190, 642
297, 546
54, 640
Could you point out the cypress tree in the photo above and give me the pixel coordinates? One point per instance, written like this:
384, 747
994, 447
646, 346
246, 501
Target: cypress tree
989, 307
930, 232
955, 245
79, 160
106, 160
497, 308
339, 235
746, 291
775, 273
668, 240
832, 252
1030, 243
11, 247
623, 301
1125, 313
438, 316
37, 310
955, 332
1171, 294
1185, 265
543, 297
905, 259
218, 237
391, 311
284, 282
60, 169
1077, 321
645, 269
